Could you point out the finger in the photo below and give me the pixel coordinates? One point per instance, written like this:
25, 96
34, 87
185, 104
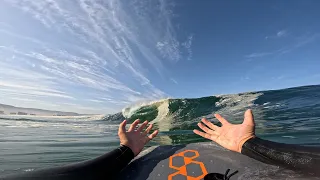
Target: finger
154, 134
221, 119
205, 129
205, 135
248, 118
143, 125
122, 127
209, 124
134, 125
147, 130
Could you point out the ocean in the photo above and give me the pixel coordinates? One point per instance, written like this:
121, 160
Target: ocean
26, 144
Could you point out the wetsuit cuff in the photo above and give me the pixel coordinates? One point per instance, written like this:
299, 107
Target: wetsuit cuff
127, 153
249, 145
242, 142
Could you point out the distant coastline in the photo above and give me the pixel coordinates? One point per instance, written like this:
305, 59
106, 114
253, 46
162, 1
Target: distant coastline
20, 111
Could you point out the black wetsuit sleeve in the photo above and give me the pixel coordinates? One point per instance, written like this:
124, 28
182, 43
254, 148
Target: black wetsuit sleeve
304, 159
104, 167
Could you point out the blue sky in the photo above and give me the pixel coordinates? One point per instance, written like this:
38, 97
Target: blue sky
93, 56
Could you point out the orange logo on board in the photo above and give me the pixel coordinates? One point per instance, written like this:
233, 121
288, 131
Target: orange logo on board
186, 159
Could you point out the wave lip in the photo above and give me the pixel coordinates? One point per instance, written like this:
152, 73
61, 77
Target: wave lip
128, 112
171, 113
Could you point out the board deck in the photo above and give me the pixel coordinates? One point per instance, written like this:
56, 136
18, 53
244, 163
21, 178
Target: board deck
195, 161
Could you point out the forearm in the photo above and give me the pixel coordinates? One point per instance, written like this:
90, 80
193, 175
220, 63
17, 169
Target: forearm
306, 159
103, 167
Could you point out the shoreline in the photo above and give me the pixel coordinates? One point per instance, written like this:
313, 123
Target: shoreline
51, 116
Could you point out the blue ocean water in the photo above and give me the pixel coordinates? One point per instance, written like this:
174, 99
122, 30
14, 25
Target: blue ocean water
287, 116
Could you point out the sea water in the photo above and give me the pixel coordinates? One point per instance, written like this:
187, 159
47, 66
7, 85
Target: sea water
28, 143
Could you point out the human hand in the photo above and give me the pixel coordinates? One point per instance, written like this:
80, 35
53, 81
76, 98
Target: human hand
230, 136
135, 139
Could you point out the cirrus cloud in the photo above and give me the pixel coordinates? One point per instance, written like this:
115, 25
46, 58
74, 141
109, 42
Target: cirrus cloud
88, 49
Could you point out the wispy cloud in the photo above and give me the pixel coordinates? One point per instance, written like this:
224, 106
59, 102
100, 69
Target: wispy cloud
245, 78
173, 80
282, 33
258, 55
280, 77
95, 100
298, 42
3, 24
92, 48
279, 34
188, 45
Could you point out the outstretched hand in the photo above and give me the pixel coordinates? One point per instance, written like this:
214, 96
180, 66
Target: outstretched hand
134, 138
230, 136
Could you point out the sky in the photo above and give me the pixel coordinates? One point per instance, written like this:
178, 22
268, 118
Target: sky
94, 56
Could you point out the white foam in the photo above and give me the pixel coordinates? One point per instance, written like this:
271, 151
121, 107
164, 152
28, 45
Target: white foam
129, 111
163, 111
237, 102
28, 170
234, 105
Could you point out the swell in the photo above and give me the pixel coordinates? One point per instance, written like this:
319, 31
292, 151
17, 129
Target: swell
286, 111
186, 110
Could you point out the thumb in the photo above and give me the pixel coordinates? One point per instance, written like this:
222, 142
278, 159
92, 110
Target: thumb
248, 118
122, 127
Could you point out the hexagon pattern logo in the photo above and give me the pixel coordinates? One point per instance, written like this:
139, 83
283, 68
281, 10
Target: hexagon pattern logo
186, 166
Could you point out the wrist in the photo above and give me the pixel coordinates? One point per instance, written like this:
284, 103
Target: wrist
127, 144
244, 140
124, 148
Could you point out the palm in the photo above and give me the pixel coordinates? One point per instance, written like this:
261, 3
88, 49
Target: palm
230, 136
135, 138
